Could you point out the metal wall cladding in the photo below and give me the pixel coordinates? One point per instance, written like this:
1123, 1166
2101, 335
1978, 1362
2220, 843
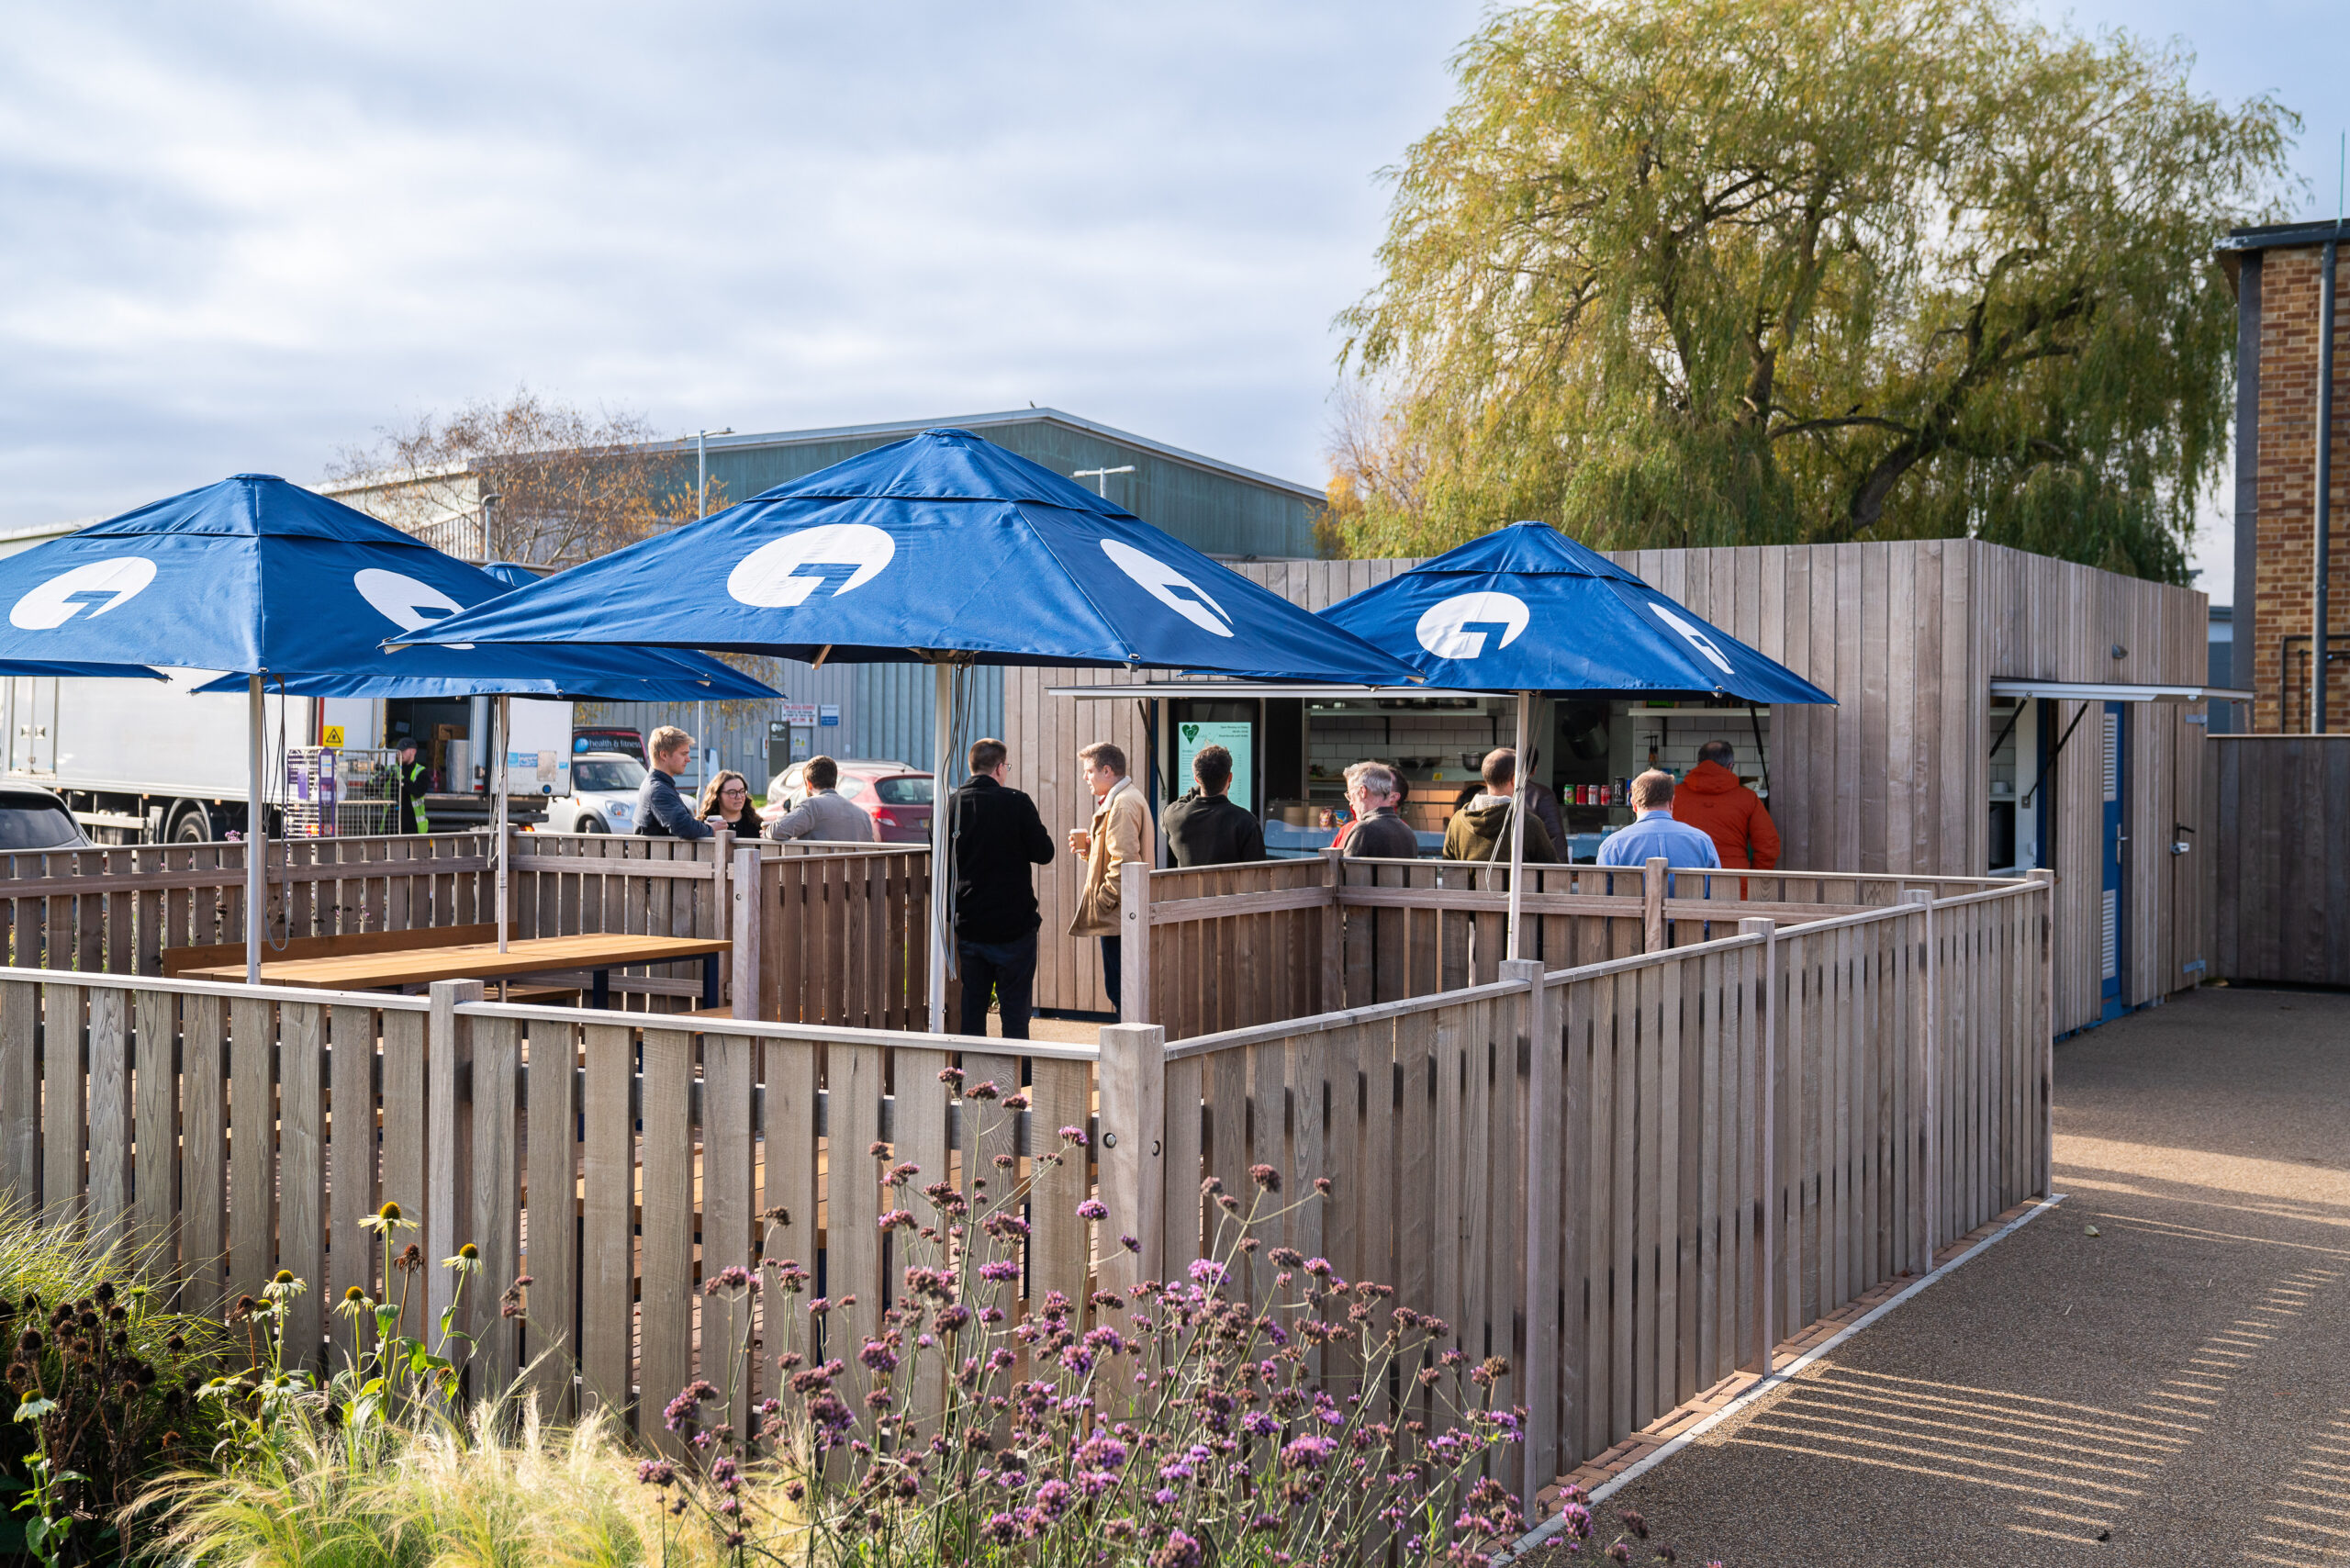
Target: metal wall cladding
1219, 512
885, 711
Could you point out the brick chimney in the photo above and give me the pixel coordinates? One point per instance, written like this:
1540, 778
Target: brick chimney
2275, 271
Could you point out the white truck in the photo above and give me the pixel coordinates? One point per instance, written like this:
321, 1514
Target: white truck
154, 762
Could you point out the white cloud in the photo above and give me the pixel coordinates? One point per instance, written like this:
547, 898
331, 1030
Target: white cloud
243, 236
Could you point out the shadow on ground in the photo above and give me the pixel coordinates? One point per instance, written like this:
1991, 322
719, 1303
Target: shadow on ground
2174, 1390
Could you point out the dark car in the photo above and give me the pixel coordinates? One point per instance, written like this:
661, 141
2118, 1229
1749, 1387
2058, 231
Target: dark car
33, 819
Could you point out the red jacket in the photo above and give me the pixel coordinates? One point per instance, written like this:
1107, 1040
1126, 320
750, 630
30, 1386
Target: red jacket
1712, 801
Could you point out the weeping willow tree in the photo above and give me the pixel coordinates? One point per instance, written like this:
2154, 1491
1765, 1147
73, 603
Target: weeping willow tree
1737, 272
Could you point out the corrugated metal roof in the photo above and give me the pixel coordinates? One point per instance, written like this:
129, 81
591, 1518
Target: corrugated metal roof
893, 429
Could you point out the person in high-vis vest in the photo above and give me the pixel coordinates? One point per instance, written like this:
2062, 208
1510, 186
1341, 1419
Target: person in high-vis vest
409, 778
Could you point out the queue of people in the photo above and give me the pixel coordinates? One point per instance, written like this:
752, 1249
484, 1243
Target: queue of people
1000, 838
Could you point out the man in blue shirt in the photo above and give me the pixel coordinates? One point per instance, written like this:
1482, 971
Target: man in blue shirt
1653, 832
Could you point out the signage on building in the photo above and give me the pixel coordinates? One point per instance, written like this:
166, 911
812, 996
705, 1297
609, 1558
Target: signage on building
1236, 737
799, 712
829, 713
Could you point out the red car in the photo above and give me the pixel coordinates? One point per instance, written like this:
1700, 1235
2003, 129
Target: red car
894, 794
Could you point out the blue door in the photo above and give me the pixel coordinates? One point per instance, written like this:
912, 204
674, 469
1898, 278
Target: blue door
2113, 902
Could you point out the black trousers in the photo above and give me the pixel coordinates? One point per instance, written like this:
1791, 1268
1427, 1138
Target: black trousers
1008, 970
1113, 974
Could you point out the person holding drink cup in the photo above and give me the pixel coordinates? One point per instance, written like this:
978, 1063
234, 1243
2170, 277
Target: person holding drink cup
1120, 835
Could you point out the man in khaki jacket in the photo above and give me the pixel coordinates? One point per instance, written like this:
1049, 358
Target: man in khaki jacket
1120, 833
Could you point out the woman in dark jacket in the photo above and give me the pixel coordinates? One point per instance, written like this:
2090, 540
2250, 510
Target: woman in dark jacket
726, 802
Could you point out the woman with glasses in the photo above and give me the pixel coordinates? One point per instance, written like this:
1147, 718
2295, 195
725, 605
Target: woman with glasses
726, 802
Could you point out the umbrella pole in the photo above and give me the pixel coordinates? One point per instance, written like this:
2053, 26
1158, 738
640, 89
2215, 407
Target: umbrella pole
256, 825
505, 830
1522, 792
942, 676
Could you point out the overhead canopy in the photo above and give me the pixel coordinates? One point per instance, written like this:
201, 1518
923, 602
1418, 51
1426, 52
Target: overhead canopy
2107, 691
943, 545
1526, 609
254, 575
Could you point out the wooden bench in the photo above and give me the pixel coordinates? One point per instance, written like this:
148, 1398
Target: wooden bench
179, 961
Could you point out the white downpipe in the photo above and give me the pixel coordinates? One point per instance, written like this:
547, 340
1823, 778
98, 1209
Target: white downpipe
941, 874
1521, 795
256, 825
498, 821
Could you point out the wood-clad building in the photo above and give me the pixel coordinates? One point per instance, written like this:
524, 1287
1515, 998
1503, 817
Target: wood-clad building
1995, 710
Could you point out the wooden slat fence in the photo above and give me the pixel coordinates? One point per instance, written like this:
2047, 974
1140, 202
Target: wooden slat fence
842, 935
2277, 827
1672, 1160
1235, 946
117, 911
249, 1129
1630, 1177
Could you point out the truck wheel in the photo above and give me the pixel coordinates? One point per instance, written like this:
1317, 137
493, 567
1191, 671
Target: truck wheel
192, 826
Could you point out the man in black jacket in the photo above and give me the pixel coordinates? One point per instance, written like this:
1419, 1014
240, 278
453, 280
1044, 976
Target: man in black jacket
1204, 828
998, 837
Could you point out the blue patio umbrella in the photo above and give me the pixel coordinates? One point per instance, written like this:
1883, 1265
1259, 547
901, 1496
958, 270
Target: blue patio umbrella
1527, 609
943, 549
275, 585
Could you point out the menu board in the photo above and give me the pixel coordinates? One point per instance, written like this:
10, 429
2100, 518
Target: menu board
1236, 736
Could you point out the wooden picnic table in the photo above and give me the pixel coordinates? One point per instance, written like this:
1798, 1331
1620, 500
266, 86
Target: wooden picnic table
598, 952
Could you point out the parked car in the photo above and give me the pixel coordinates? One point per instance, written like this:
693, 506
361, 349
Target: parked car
33, 819
587, 738
894, 794
603, 795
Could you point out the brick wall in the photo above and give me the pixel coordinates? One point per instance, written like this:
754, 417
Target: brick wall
2288, 489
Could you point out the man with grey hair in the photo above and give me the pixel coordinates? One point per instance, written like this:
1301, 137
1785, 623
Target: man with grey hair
1380, 832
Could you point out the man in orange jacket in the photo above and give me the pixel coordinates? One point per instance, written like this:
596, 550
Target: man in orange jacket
1712, 801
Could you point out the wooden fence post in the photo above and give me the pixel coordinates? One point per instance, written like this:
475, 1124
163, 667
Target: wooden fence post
1926, 1020
1136, 1003
1653, 877
2046, 1044
444, 1116
1334, 957
1766, 1056
1545, 1111
744, 890
1132, 1159
714, 915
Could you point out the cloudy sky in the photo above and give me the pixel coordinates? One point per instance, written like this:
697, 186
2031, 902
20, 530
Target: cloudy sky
244, 236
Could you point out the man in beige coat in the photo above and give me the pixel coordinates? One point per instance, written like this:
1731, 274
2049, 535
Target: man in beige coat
1120, 833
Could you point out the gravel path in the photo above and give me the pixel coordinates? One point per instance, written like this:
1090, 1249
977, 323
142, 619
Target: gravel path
2175, 1390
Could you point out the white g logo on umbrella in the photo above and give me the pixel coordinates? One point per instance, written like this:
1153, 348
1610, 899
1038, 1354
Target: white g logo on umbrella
1459, 627
96, 586
1170, 587
1697, 636
405, 602
784, 572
